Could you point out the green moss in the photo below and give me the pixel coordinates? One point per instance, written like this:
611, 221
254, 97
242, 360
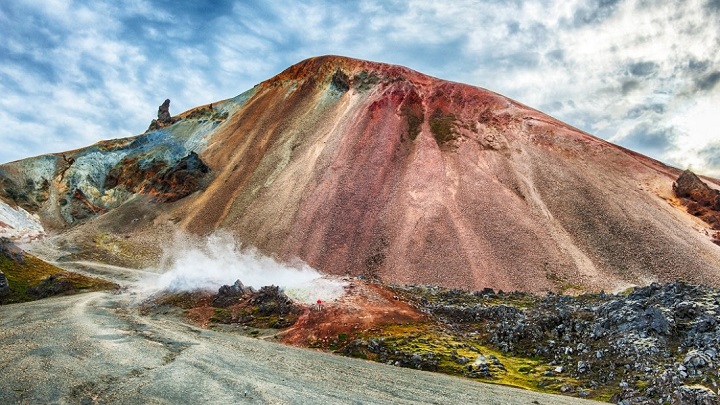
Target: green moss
31, 271
415, 118
448, 349
442, 127
364, 81
221, 315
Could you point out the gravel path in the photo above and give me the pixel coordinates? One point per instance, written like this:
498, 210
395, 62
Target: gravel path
95, 348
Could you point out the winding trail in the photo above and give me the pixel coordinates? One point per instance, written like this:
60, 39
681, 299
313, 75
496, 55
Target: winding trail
97, 348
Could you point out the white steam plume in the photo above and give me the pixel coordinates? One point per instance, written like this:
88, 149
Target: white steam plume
192, 264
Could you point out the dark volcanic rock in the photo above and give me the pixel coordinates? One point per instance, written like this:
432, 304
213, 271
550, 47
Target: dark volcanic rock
695, 396
81, 208
52, 285
164, 112
230, 294
164, 118
30, 195
8, 251
157, 178
179, 180
267, 308
341, 81
270, 300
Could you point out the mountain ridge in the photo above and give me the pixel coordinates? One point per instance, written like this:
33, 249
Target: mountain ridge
372, 169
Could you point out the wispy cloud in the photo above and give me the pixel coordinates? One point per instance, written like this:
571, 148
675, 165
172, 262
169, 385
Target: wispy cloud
643, 74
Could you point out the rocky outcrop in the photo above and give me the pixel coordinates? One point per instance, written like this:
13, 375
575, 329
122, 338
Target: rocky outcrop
689, 186
55, 284
231, 294
30, 195
164, 118
655, 344
268, 307
167, 183
700, 200
80, 207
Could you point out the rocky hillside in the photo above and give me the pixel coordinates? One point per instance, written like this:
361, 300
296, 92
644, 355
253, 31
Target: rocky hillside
658, 344
370, 169
655, 344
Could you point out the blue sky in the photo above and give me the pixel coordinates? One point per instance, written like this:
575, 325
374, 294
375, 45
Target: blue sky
643, 74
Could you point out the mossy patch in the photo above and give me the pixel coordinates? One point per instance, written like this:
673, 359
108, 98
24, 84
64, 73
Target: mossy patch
207, 114
364, 81
442, 127
429, 347
25, 276
415, 117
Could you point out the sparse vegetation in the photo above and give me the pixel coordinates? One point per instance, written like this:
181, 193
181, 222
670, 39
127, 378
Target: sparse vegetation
32, 278
364, 81
442, 127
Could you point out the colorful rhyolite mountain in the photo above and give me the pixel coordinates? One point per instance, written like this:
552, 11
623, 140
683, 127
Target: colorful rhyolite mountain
371, 169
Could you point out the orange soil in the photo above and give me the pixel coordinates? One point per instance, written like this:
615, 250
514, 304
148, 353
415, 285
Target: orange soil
363, 307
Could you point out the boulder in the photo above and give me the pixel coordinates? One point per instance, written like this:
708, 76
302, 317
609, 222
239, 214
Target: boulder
689, 185
695, 395
699, 199
230, 294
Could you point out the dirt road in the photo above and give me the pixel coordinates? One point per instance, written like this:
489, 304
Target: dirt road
96, 348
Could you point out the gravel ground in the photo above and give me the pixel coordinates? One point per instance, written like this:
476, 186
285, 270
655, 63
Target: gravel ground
96, 348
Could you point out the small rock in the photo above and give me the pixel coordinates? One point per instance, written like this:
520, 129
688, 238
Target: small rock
567, 388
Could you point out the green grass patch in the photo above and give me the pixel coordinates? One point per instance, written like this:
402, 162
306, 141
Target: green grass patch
31, 271
442, 127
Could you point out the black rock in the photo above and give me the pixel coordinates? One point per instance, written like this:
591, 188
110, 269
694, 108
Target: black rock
340, 81
4, 285
231, 294
164, 118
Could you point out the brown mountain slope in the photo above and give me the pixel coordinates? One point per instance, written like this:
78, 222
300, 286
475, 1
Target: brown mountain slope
365, 168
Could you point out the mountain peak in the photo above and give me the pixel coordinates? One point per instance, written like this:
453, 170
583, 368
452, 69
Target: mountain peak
373, 169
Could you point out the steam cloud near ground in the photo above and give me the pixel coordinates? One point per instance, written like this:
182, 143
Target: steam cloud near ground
192, 263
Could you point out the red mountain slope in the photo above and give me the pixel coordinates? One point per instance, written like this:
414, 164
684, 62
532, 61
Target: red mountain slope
366, 168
